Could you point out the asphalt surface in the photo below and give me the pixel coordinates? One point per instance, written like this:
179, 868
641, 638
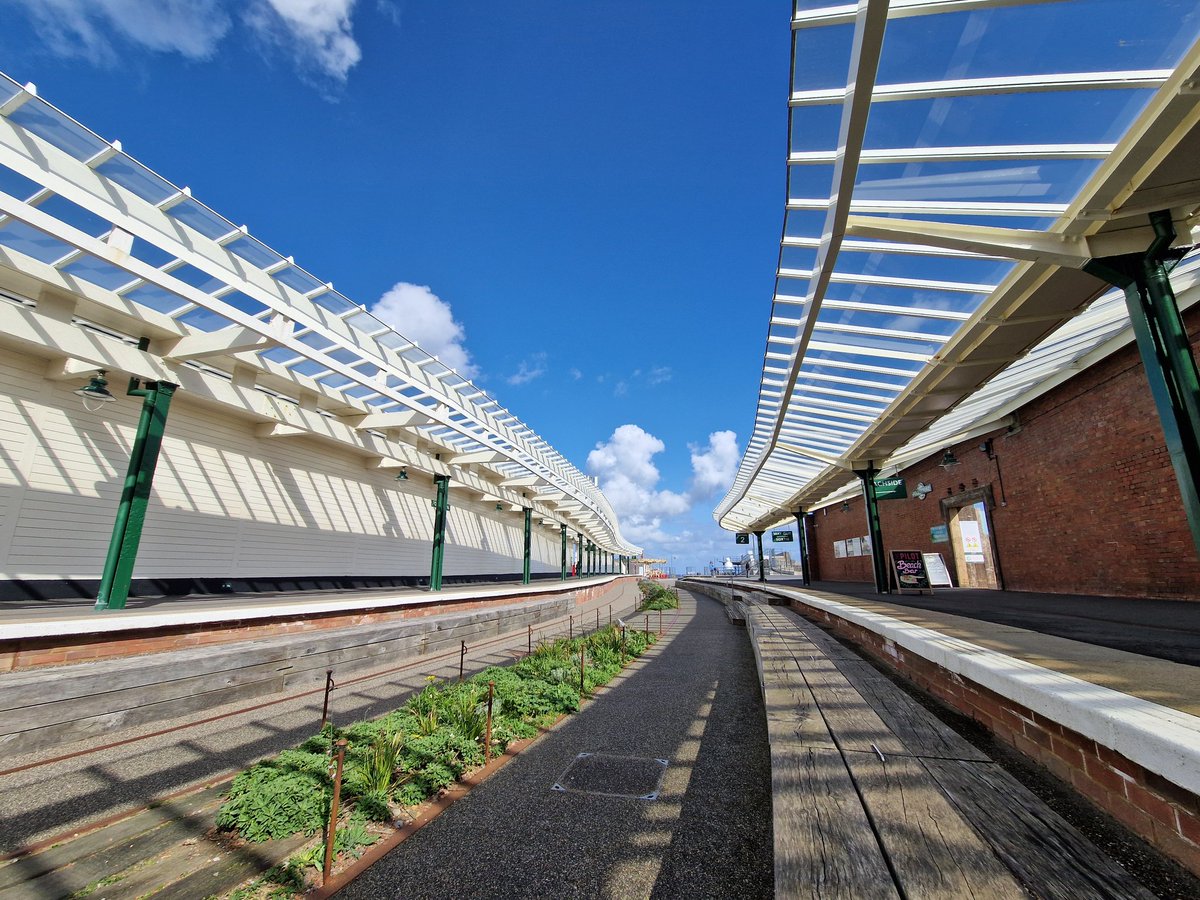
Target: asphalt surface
1166, 629
692, 700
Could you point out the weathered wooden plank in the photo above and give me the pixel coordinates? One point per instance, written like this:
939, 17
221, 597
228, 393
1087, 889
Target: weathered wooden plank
933, 850
1044, 851
922, 733
85, 859
824, 845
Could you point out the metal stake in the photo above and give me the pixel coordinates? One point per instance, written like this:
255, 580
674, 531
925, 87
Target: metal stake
462, 658
660, 623
331, 831
530, 639
582, 670
329, 686
571, 628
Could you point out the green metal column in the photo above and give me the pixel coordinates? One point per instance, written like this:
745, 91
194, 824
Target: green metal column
440, 505
802, 547
528, 545
562, 531
591, 558
579, 548
874, 529
135, 493
762, 563
1166, 353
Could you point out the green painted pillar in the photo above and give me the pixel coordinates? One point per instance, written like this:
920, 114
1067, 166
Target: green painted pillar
562, 531
440, 504
874, 528
802, 547
528, 545
135, 493
762, 563
1166, 353
579, 564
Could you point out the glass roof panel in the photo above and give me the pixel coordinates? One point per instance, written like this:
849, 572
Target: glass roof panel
245, 303
977, 270
200, 218
39, 117
1043, 181
816, 127
137, 178
922, 298
1029, 39
254, 252
37, 244
75, 215
16, 185
197, 278
99, 272
334, 302
8, 89
150, 254
204, 319
822, 57
810, 181
155, 298
1040, 117
298, 280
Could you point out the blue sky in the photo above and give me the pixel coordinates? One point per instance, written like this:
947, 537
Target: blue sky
579, 204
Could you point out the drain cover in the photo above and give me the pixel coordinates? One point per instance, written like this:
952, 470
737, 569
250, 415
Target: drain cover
637, 777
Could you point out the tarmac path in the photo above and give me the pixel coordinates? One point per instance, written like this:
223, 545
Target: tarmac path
692, 700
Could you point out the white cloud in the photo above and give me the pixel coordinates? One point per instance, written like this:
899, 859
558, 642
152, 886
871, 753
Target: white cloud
529, 369
659, 374
714, 466
575, 373
319, 31
422, 316
628, 477
316, 33
85, 28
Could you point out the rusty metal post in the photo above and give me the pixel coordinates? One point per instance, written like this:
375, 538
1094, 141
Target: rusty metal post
647, 623
462, 658
582, 673
331, 831
530, 640
610, 614
325, 706
660, 623
571, 628
597, 618
487, 737
624, 657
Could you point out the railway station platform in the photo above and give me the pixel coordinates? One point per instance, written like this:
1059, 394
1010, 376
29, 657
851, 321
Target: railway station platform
1122, 728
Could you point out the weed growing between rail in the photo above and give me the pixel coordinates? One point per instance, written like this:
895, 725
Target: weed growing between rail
411, 754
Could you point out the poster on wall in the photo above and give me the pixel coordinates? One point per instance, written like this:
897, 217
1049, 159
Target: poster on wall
972, 541
852, 547
839, 549
908, 568
935, 566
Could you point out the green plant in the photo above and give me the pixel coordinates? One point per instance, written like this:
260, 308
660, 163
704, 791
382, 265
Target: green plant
463, 713
352, 839
374, 772
269, 801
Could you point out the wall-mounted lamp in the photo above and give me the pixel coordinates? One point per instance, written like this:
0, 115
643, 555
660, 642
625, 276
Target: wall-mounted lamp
989, 448
499, 506
403, 476
95, 394
949, 460
845, 506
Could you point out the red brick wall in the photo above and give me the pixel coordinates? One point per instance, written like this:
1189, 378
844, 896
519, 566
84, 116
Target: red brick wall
1089, 503
1160, 811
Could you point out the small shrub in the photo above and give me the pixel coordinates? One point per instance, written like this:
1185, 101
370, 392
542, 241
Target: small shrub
267, 803
374, 772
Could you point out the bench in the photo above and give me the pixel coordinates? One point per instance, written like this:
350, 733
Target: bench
875, 797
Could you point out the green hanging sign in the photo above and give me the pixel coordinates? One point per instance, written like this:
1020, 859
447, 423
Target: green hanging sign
890, 489
743, 537
781, 537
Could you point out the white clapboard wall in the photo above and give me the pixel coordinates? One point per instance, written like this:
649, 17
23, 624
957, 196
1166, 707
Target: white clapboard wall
226, 502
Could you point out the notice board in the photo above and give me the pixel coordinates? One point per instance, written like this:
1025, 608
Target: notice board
908, 570
939, 575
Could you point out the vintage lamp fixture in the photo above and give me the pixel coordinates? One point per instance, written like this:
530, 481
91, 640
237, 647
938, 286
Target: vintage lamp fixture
403, 476
949, 460
95, 394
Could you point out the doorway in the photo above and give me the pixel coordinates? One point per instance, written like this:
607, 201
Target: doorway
971, 540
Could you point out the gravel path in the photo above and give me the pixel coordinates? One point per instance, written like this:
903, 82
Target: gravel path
694, 701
